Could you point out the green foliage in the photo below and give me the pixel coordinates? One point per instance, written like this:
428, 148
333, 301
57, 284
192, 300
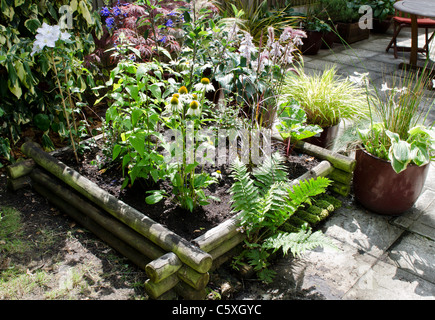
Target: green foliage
27, 81
256, 19
297, 242
264, 201
133, 119
188, 153
397, 130
381, 8
292, 125
326, 98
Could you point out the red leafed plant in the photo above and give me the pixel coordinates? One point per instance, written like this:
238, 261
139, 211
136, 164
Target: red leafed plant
145, 27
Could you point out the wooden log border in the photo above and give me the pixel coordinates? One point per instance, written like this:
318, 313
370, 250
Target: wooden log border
175, 267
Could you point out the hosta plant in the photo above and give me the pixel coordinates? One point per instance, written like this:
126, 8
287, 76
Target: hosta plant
264, 201
397, 130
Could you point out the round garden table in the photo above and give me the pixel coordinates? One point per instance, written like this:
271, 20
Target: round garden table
424, 8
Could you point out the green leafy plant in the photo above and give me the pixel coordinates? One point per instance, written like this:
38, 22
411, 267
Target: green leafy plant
325, 97
381, 8
396, 131
27, 81
257, 18
183, 115
133, 119
292, 125
264, 201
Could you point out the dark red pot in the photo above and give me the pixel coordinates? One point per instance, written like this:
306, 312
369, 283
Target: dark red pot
380, 189
326, 138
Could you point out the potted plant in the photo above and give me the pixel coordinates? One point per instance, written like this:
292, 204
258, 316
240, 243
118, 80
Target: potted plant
395, 149
326, 99
345, 14
315, 29
383, 10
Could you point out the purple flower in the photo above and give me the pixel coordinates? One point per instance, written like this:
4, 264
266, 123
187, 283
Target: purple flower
110, 23
105, 12
164, 39
116, 11
169, 23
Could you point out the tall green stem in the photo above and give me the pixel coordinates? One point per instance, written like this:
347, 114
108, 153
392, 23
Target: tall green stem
64, 109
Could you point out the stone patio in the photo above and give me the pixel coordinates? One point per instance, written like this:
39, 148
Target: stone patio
379, 257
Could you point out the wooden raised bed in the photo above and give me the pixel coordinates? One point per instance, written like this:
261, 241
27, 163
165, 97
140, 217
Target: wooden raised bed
175, 267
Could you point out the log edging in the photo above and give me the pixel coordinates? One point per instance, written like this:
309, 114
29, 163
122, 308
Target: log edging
173, 265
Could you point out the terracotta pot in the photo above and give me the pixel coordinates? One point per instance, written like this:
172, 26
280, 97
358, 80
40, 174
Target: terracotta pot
326, 138
312, 42
380, 189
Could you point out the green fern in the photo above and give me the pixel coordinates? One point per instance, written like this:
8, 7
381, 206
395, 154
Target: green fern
297, 242
264, 202
245, 194
305, 190
271, 171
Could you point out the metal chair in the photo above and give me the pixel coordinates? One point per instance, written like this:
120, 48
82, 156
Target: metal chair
403, 20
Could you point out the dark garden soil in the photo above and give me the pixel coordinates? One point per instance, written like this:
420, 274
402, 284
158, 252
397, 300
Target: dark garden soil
189, 225
61, 248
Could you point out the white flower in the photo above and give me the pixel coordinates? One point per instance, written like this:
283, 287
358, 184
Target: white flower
359, 78
194, 109
433, 83
174, 104
47, 36
247, 47
385, 87
64, 36
204, 85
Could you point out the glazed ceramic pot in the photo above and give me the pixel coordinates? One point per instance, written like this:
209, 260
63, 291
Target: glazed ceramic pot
381, 190
326, 138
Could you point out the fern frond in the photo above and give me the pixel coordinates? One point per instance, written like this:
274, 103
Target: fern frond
298, 242
272, 170
306, 189
274, 207
244, 193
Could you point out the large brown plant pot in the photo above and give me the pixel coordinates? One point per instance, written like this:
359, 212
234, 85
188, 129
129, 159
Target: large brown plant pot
312, 42
351, 32
381, 190
326, 138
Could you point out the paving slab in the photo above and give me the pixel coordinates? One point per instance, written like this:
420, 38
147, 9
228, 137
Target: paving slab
387, 282
414, 254
408, 218
365, 231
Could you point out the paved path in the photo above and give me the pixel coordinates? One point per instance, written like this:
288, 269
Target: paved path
379, 257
